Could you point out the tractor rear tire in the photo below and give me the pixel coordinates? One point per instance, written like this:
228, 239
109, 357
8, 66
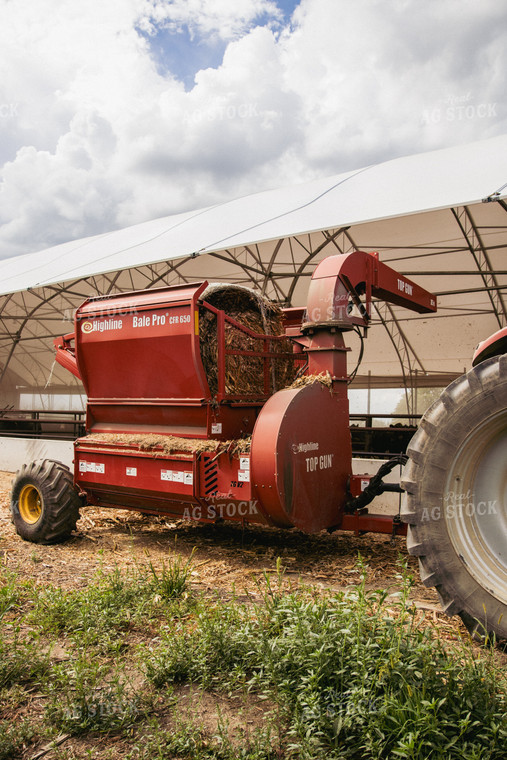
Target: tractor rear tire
455, 500
44, 502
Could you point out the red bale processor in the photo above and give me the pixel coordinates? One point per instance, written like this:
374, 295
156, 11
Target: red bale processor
162, 438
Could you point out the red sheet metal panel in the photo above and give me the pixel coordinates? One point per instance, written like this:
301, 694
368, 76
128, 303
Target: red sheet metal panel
190, 485
338, 281
302, 458
124, 350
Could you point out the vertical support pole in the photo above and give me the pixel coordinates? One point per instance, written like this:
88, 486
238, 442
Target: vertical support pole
416, 391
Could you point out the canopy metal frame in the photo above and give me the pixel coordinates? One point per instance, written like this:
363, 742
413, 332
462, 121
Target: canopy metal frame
472, 291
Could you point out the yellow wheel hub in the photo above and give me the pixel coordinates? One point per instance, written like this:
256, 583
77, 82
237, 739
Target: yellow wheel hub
30, 504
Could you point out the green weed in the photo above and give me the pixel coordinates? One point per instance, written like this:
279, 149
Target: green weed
118, 601
13, 738
88, 695
188, 740
171, 581
349, 675
98, 615
21, 659
357, 679
11, 592
209, 657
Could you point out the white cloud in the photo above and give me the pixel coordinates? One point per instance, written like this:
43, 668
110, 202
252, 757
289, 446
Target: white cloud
376, 82
94, 137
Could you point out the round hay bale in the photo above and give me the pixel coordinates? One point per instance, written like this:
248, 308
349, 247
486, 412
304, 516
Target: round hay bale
244, 375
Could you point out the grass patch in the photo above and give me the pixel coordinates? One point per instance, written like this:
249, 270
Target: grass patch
171, 582
12, 592
13, 738
207, 648
90, 695
110, 603
186, 740
118, 601
21, 660
349, 675
354, 677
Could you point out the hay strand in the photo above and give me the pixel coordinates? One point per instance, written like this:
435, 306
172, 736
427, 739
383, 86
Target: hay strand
244, 375
169, 444
324, 379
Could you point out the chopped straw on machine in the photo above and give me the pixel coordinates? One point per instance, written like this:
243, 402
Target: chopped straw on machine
170, 444
244, 375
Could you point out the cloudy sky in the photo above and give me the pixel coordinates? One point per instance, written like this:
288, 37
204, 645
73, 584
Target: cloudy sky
117, 111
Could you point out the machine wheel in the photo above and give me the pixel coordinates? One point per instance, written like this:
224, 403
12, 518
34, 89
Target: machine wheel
44, 503
456, 498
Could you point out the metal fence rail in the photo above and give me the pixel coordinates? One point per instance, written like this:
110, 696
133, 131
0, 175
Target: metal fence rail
40, 423
368, 438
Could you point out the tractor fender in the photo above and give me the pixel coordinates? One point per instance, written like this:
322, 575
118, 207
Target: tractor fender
495, 345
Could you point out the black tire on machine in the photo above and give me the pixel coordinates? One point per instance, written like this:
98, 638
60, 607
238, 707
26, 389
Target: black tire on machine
44, 502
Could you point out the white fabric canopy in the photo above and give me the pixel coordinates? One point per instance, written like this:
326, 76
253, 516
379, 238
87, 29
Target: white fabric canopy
440, 217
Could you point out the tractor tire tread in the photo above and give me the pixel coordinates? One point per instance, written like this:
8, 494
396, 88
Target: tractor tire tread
481, 389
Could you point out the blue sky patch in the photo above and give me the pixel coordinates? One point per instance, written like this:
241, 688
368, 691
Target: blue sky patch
183, 53
288, 7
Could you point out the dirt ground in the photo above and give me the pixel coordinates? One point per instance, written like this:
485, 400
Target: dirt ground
228, 558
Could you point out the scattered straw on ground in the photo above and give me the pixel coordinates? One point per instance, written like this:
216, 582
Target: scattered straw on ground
228, 555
